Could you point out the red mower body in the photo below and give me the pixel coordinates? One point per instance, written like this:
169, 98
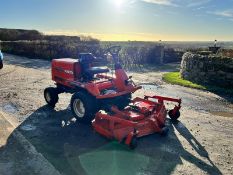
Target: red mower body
67, 72
95, 90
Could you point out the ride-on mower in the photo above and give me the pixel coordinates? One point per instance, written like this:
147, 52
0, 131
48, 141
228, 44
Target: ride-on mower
105, 100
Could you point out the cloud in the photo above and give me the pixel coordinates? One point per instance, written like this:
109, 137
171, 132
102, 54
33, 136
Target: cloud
178, 3
195, 3
160, 2
227, 14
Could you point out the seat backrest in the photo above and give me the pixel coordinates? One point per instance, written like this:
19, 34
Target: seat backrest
86, 60
77, 70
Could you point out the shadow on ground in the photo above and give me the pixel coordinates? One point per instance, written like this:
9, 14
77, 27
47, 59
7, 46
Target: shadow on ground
76, 149
226, 93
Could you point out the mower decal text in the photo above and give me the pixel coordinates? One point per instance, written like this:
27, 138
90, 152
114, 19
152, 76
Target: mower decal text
69, 72
66, 71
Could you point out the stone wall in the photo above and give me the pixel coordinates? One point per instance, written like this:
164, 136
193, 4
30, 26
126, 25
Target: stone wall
171, 55
160, 54
207, 69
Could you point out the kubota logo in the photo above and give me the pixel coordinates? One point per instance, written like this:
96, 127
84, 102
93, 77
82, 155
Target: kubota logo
69, 72
66, 71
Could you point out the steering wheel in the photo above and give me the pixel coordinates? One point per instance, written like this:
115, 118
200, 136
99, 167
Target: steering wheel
114, 52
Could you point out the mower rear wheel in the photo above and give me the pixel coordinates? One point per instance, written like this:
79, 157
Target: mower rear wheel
83, 107
175, 116
51, 96
124, 101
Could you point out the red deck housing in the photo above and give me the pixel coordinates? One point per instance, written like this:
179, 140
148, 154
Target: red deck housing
145, 116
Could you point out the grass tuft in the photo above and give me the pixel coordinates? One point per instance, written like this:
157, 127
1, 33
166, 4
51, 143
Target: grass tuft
175, 78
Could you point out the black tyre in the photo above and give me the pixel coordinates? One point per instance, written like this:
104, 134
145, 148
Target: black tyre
134, 143
124, 101
51, 96
83, 107
164, 131
1, 64
174, 117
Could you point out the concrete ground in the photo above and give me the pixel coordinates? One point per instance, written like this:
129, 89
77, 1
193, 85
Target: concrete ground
36, 139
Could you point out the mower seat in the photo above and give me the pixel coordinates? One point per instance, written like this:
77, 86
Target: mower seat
96, 70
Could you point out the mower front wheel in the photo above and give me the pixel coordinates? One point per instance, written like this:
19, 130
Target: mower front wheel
51, 96
1, 64
83, 107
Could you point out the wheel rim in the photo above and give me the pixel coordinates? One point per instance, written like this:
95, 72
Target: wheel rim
47, 96
79, 108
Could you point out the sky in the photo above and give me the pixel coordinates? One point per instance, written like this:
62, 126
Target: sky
122, 20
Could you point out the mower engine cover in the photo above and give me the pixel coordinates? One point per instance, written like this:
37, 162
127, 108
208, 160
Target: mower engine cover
65, 70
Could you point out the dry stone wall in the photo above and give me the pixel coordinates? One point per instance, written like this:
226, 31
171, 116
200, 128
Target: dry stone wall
207, 69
